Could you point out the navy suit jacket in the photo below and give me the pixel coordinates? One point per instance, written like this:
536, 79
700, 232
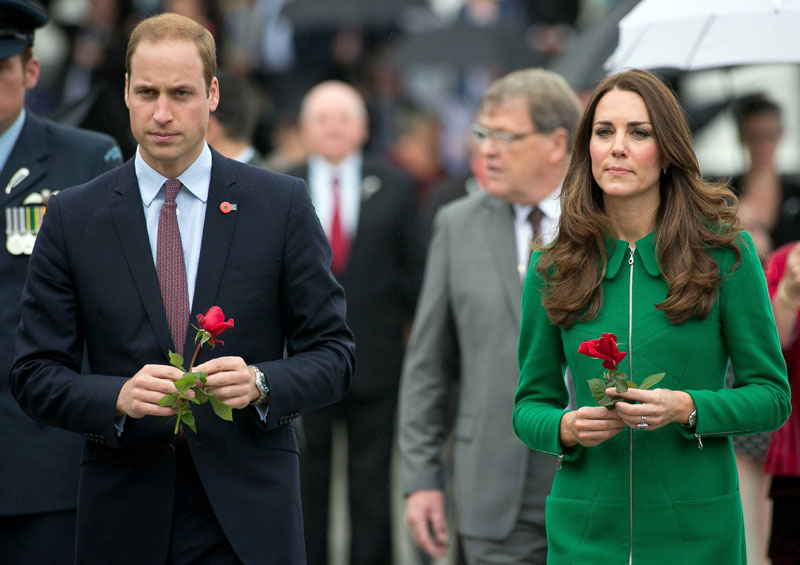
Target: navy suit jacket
92, 277
39, 464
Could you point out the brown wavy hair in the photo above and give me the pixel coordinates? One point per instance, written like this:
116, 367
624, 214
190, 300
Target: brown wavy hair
694, 216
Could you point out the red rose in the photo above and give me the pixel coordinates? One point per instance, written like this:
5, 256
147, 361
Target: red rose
214, 323
604, 348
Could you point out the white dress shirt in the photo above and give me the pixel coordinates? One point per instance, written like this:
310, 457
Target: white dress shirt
320, 180
548, 227
191, 208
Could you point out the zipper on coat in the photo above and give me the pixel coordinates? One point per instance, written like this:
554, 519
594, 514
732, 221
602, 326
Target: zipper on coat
630, 430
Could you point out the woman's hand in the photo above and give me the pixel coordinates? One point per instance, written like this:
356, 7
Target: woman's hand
659, 407
589, 425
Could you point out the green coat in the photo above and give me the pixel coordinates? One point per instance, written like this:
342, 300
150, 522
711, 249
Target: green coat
661, 496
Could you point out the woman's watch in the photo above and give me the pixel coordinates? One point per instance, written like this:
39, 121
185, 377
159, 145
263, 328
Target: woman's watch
261, 384
692, 420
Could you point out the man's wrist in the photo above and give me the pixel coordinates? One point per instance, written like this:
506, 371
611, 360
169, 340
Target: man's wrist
261, 386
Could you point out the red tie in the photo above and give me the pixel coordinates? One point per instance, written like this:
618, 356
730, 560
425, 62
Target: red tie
170, 268
340, 244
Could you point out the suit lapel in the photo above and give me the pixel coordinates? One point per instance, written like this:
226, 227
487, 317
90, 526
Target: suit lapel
29, 152
126, 210
503, 249
217, 236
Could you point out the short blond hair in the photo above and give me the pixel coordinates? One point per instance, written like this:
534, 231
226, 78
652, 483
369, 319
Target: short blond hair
174, 27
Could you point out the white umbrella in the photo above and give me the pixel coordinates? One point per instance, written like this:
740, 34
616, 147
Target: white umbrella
701, 34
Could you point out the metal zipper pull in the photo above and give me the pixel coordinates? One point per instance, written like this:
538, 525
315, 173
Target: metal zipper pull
699, 441
560, 462
630, 259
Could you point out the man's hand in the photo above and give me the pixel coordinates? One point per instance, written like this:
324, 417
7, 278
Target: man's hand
139, 396
589, 426
425, 516
230, 379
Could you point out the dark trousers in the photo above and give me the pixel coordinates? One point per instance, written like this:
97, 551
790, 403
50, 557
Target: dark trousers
38, 539
197, 537
784, 544
370, 429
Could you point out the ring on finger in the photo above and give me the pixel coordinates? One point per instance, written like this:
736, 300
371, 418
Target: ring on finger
643, 424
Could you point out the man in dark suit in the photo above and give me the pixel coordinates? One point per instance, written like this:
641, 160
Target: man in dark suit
368, 211
106, 274
39, 465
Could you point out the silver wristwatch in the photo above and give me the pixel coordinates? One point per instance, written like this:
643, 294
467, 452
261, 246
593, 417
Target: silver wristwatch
692, 420
263, 387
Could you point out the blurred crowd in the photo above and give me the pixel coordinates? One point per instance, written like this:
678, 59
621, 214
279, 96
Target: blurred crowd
420, 76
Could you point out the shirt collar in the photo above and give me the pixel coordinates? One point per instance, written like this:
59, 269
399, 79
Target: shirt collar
349, 166
196, 178
8, 139
551, 204
645, 249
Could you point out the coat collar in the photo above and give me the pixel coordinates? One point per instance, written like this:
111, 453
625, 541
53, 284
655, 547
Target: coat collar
618, 254
499, 232
30, 151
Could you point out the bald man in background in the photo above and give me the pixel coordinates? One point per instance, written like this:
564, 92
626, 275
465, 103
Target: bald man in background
368, 211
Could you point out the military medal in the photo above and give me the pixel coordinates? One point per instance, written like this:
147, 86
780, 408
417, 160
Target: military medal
23, 222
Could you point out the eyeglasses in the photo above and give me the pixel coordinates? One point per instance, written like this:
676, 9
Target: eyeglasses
502, 138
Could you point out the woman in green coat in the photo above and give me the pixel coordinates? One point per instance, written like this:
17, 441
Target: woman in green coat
649, 251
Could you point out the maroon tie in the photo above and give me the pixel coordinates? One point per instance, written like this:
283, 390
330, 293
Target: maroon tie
535, 220
170, 268
340, 244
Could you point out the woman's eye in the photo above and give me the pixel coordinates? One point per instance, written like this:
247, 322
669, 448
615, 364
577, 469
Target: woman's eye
602, 132
641, 134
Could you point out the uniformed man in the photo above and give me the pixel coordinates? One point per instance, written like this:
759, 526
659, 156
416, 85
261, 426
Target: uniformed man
38, 465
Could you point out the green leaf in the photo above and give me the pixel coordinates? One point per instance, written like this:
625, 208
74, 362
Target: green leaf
200, 395
168, 400
221, 409
651, 381
631, 384
598, 388
176, 360
188, 419
185, 382
607, 401
621, 386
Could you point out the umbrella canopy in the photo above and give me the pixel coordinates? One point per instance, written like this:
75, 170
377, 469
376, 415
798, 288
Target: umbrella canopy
701, 34
462, 45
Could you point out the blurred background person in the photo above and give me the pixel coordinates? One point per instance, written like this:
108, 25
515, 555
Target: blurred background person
783, 457
415, 149
466, 330
368, 210
769, 202
287, 150
770, 211
39, 464
232, 125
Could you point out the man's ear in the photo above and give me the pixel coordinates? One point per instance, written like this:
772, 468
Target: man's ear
125, 94
559, 149
31, 72
213, 94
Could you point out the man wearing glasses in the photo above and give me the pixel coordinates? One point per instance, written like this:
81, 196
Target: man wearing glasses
466, 330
